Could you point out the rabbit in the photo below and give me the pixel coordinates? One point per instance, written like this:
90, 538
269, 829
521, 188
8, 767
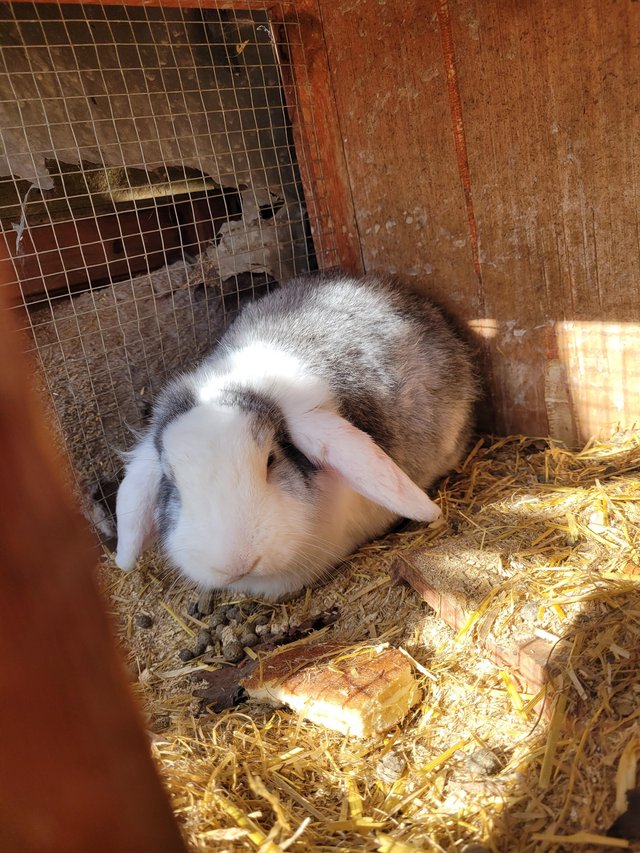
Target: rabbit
326, 409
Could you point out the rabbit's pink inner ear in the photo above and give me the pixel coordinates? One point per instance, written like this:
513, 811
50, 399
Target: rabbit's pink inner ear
328, 439
135, 504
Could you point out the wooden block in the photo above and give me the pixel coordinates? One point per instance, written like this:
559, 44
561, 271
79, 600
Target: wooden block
356, 691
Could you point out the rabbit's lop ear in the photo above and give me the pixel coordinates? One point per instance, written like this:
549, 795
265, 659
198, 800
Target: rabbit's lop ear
135, 504
329, 440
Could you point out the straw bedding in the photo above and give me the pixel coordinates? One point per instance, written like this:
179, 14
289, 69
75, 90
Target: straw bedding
537, 541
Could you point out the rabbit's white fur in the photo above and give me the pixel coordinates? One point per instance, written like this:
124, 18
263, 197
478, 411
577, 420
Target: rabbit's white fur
238, 505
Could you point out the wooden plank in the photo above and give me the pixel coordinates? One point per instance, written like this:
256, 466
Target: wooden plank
93, 250
491, 154
81, 252
75, 774
551, 109
391, 91
313, 112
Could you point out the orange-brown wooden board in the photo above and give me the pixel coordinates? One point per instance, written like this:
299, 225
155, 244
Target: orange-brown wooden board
491, 156
62, 256
391, 92
76, 773
85, 251
391, 88
319, 145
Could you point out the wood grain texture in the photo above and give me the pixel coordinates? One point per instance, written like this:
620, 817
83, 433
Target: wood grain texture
319, 147
551, 103
492, 154
75, 772
392, 97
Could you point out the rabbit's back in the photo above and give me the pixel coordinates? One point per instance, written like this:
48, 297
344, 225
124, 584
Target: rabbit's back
396, 367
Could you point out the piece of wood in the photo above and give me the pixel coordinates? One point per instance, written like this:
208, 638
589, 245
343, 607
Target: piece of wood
201, 215
319, 147
357, 690
552, 113
87, 251
75, 254
526, 656
391, 92
75, 769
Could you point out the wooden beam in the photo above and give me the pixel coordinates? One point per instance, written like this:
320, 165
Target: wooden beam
318, 138
75, 772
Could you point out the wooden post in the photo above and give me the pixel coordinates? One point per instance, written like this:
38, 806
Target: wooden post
75, 768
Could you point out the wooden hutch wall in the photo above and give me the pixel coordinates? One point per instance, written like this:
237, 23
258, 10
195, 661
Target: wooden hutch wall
491, 148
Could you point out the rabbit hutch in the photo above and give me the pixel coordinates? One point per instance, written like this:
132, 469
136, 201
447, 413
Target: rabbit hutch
162, 164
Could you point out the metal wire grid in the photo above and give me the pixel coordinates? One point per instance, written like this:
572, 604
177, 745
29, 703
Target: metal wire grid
110, 117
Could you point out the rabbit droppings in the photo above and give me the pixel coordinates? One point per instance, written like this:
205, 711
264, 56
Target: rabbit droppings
325, 411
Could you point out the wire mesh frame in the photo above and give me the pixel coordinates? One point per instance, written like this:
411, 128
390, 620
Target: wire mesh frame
285, 25
310, 162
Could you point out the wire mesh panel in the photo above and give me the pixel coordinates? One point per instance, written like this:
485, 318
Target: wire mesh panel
148, 184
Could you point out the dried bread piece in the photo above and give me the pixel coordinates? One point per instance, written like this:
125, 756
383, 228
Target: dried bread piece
357, 691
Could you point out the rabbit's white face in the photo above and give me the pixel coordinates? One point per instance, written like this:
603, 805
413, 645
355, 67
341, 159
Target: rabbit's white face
233, 511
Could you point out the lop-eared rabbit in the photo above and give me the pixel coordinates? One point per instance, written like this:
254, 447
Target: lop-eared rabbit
326, 410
